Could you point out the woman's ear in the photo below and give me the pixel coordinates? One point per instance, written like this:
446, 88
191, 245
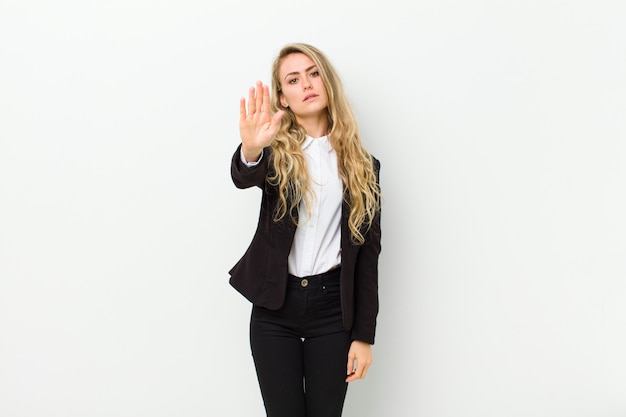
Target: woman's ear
282, 100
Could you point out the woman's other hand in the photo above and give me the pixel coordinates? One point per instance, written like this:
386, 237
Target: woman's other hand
359, 360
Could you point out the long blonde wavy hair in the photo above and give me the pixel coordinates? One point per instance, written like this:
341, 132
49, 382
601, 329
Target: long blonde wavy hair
290, 174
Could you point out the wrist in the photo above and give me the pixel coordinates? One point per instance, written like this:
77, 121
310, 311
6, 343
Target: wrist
251, 154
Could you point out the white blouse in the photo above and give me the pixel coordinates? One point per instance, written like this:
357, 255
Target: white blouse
316, 246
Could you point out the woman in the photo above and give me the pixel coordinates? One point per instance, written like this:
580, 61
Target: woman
311, 270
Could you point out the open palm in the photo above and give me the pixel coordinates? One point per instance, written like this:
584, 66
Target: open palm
257, 127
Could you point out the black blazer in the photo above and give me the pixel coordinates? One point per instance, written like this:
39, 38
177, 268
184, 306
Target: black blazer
261, 274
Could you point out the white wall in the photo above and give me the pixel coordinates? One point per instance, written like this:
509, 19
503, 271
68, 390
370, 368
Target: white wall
501, 130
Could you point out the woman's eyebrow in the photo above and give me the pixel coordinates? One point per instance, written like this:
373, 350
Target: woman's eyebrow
298, 72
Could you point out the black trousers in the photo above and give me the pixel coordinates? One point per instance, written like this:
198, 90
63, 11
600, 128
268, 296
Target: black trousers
301, 351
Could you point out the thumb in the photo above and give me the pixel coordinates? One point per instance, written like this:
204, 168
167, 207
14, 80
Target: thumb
277, 116
350, 365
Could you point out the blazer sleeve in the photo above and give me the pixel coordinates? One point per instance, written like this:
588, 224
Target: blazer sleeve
244, 176
366, 304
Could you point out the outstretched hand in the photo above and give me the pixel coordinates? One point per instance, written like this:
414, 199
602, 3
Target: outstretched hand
359, 360
257, 127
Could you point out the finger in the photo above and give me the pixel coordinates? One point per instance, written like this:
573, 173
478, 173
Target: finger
359, 373
266, 99
251, 102
358, 370
272, 126
277, 116
352, 377
242, 109
259, 96
350, 367
364, 370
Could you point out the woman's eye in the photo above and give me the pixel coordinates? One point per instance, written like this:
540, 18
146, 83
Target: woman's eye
315, 74
293, 81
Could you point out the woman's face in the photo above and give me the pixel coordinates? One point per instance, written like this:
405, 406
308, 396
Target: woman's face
302, 86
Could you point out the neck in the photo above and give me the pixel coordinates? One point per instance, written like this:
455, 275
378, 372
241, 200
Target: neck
314, 126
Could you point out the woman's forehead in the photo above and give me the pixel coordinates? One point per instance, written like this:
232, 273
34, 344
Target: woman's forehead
295, 63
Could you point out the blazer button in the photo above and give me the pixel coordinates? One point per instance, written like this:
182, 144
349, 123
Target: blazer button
304, 282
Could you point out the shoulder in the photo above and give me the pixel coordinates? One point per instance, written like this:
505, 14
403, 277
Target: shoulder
375, 164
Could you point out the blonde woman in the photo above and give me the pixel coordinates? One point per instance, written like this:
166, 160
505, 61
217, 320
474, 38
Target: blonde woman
311, 270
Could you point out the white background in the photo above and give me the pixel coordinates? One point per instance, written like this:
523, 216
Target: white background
501, 130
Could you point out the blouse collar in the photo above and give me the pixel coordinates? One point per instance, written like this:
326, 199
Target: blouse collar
322, 142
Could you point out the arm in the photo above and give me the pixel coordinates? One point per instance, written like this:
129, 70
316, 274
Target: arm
366, 306
245, 176
366, 301
257, 129
366, 281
